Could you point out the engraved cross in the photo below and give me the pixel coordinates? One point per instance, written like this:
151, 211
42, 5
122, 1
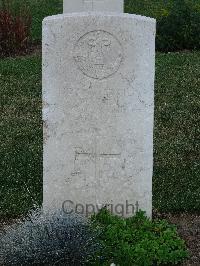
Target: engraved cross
96, 156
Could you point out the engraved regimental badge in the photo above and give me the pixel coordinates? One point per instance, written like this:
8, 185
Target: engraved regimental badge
98, 54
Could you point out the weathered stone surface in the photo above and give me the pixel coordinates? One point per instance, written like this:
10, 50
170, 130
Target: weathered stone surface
70, 6
98, 97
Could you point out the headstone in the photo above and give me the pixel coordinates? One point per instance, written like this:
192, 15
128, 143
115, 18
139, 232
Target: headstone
70, 6
98, 106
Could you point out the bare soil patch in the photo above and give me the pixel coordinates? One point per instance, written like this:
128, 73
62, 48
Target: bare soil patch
188, 226
33, 49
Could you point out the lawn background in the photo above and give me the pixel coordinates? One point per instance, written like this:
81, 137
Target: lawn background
42, 8
177, 129
176, 185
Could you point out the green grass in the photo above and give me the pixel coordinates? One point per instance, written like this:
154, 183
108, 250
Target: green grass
177, 130
21, 135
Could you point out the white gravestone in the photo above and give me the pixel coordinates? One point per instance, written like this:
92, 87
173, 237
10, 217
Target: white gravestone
98, 111
70, 6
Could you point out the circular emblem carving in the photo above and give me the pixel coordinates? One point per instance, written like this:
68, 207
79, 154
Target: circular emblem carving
98, 54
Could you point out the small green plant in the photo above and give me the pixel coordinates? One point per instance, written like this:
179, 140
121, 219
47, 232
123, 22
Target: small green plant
138, 241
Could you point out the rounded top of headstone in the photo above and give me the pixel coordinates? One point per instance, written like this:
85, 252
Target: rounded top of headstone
92, 15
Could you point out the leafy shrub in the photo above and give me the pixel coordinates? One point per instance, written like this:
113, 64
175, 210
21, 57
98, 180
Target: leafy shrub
138, 241
48, 239
14, 30
180, 29
149, 8
178, 22
39, 10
